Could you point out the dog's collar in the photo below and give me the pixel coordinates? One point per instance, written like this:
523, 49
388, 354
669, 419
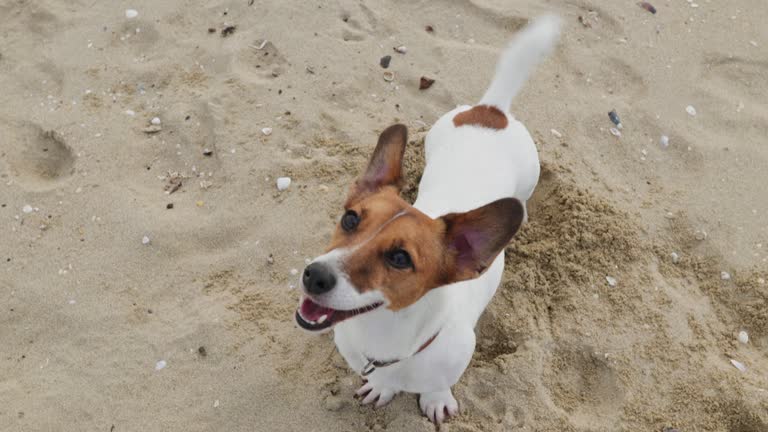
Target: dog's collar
372, 364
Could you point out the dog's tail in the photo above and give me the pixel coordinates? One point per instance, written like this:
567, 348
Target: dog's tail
524, 52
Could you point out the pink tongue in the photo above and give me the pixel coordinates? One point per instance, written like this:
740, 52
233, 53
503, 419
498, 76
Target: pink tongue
313, 311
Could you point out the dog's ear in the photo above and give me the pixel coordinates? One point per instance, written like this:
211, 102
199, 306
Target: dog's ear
386, 165
474, 239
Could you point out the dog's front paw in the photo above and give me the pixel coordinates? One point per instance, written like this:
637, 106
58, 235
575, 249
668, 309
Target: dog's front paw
371, 392
438, 406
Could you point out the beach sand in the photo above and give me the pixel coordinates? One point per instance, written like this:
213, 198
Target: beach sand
120, 314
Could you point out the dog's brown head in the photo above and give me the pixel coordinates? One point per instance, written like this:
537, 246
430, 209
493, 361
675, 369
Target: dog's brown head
386, 252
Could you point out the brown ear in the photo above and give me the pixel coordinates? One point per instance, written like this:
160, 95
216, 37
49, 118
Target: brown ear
475, 238
386, 164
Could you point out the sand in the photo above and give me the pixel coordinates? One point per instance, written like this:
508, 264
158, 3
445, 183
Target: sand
87, 310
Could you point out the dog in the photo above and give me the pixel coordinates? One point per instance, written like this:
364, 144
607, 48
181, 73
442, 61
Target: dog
404, 285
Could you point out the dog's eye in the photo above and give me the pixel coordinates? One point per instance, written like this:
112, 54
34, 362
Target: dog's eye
399, 259
350, 220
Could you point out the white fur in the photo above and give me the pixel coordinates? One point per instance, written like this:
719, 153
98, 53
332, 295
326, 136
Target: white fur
466, 168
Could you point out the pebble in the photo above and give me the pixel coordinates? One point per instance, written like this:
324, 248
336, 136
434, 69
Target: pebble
690, 110
675, 257
283, 183
207, 152
738, 365
401, 49
216, 403
294, 272
145, 240
131, 13
743, 337
384, 62
725, 276
156, 121
27, 209
664, 141
267, 131
611, 281
130, 113
615, 118
425, 83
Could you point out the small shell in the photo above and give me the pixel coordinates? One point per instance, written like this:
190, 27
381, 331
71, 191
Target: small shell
401, 49
675, 257
725, 276
131, 13
556, 133
664, 141
743, 337
615, 132
283, 183
690, 110
611, 281
389, 76
266, 131
738, 365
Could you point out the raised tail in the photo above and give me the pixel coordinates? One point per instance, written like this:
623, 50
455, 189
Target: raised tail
528, 47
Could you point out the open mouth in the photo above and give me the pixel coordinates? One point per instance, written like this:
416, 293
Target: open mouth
314, 317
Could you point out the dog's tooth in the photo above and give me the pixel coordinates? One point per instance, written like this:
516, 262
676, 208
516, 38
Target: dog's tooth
322, 319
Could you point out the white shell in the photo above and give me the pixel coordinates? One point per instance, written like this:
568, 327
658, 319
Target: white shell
156, 121
611, 281
690, 110
283, 183
743, 337
675, 257
664, 141
131, 13
160, 365
145, 240
267, 131
738, 365
725, 276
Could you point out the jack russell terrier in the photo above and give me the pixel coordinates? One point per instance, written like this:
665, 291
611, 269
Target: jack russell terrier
404, 285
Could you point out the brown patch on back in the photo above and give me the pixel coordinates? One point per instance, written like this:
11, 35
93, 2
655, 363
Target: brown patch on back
483, 116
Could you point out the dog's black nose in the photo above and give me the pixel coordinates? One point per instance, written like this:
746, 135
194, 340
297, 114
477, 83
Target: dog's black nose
318, 278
